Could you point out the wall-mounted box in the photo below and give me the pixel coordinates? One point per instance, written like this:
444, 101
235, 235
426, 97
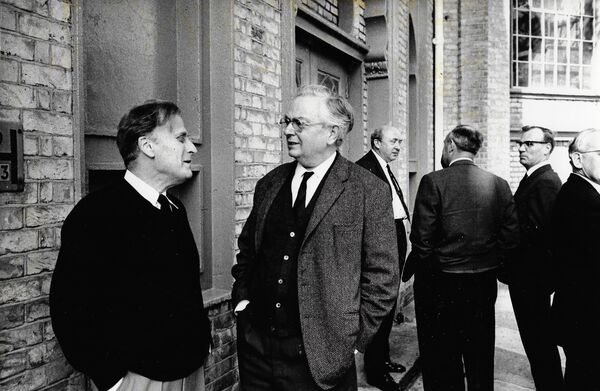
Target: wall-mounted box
11, 157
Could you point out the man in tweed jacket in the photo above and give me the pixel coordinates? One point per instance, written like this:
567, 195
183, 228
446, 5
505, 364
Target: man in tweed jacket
317, 269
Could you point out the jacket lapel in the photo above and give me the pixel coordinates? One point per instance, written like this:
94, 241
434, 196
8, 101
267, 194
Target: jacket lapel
270, 193
332, 189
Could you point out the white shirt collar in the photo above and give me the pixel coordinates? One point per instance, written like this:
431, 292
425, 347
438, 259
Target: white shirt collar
382, 162
460, 158
144, 189
594, 184
535, 167
319, 171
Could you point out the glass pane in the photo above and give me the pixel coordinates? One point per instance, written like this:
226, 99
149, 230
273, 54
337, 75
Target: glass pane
523, 49
514, 73
298, 73
588, 28
550, 4
588, 48
588, 7
514, 48
536, 75
575, 27
574, 53
561, 26
549, 78
561, 76
536, 24
586, 80
560, 5
536, 49
523, 3
329, 81
574, 77
550, 51
523, 22
549, 25
536, 3
561, 52
523, 74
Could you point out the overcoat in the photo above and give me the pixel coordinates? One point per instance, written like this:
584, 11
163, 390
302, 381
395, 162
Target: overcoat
347, 264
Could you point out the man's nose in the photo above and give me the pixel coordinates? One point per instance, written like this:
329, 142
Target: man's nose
289, 130
191, 147
522, 148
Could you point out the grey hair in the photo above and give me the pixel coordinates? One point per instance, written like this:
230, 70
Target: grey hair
339, 111
579, 142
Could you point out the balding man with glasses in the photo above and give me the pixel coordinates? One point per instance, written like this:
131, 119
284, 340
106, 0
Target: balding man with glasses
576, 229
529, 273
315, 274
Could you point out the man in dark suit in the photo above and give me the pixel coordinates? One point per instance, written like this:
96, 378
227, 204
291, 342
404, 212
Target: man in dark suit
576, 229
385, 146
529, 271
464, 222
125, 299
315, 274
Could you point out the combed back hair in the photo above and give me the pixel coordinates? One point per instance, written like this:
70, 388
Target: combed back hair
140, 121
376, 135
466, 138
548, 134
340, 112
580, 141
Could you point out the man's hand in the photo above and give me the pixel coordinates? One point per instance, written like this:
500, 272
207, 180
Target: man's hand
240, 307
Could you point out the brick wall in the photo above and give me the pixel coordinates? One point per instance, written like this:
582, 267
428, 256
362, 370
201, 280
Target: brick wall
35, 89
327, 9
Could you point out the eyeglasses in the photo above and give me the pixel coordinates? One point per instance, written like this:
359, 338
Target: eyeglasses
595, 150
530, 144
297, 124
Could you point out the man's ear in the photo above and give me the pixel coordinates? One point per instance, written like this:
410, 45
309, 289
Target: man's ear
333, 135
145, 146
576, 159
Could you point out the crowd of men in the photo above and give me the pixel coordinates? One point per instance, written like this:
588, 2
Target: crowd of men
321, 257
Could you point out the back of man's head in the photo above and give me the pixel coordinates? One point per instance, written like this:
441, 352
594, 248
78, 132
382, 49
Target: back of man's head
338, 113
584, 142
139, 121
466, 138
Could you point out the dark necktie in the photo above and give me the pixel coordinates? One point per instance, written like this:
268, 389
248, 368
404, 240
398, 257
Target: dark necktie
300, 204
398, 191
165, 206
522, 184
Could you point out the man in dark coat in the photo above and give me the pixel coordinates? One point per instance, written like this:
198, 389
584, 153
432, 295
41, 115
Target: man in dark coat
316, 272
529, 271
576, 228
125, 299
385, 146
464, 223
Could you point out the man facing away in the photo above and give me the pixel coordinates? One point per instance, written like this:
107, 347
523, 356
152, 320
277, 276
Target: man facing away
576, 228
125, 300
315, 274
530, 271
385, 146
464, 222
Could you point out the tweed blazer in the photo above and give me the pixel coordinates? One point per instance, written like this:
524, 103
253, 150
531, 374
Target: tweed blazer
534, 199
576, 230
464, 220
348, 273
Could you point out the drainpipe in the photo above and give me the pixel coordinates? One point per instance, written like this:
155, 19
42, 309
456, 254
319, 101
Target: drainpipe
438, 100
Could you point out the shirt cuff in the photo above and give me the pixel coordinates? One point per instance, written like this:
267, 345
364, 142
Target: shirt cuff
241, 306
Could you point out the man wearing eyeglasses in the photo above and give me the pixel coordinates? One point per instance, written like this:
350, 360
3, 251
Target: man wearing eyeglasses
529, 272
315, 274
576, 228
385, 146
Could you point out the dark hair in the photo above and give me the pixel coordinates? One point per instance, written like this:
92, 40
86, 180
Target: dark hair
376, 135
466, 138
140, 121
548, 134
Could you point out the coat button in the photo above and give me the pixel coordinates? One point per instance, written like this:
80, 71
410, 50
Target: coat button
280, 281
292, 234
286, 257
278, 305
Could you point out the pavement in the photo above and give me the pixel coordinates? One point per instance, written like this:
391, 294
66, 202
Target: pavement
512, 372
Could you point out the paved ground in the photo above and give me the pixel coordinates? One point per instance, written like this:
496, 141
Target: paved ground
512, 368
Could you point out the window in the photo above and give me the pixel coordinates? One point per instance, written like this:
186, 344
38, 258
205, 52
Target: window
552, 44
